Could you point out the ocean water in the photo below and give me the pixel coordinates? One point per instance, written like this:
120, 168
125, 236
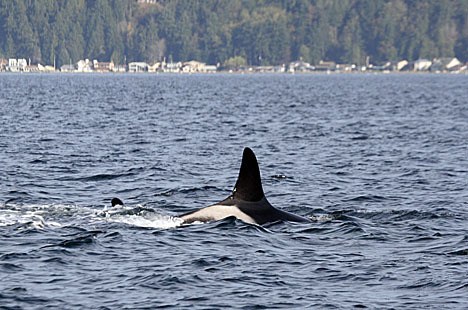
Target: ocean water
379, 163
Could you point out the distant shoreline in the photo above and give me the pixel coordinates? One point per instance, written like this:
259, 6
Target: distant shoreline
238, 73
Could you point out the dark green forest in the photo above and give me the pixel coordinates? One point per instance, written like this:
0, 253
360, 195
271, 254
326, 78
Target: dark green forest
263, 32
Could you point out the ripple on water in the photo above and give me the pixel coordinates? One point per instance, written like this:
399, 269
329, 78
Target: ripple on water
377, 162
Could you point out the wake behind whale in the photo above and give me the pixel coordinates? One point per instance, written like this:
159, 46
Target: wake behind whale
247, 202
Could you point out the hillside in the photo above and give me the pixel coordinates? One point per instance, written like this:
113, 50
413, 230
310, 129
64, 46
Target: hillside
255, 32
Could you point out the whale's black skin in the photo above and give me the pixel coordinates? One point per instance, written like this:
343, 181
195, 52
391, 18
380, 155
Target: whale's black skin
247, 201
116, 202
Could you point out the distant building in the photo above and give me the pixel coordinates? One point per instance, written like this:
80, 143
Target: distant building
17, 65
325, 66
155, 67
84, 66
270, 69
3, 64
422, 65
103, 66
135, 67
197, 67
446, 64
399, 65
67, 68
299, 66
345, 67
22, 64
12, 65
211, 68
120, 68
32, 68
47, 68
147, 1
192, 66
382, 67
173, 67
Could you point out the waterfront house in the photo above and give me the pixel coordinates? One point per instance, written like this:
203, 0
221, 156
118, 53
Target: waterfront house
16, 65
173, 67
47, 68
452, 64
345, 67
193, 66
155, 67
12, 65
299, 66
383, 67
147, 1
270, 69
84, 66
325, 66
32, 68
3, 64
135, 67
197, 67
399, 65
22, 64
211, 68
120, 68
264, 69
422, 65
446, 64
67, 68
103, 66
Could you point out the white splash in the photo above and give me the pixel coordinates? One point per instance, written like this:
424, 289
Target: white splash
53, 216
131, 216
31, 216
155, 221
322, 218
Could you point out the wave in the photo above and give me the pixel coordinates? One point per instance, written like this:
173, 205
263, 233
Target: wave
20, 217
364, 198
77, 240
25, 219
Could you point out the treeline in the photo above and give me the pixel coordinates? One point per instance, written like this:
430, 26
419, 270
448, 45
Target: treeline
262, 32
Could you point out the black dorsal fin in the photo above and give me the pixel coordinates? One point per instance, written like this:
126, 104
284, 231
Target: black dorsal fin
116, 202
249, 183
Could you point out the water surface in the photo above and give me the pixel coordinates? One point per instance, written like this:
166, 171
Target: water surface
378, 162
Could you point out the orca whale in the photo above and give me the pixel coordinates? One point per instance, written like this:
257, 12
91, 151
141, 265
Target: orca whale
247, 201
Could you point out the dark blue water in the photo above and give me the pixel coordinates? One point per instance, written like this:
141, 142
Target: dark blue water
378, 162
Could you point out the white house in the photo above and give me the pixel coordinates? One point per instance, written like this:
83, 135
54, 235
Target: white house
400, 65
172, 67
191, 66
211, 68
138, 67
155, 67
67, 68
422, 65
299, 66
3, 64
15, 65
446, 64
120, 68
84, 66
101, 66
12, 65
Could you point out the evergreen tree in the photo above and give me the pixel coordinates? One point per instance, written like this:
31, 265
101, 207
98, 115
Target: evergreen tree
267, 32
